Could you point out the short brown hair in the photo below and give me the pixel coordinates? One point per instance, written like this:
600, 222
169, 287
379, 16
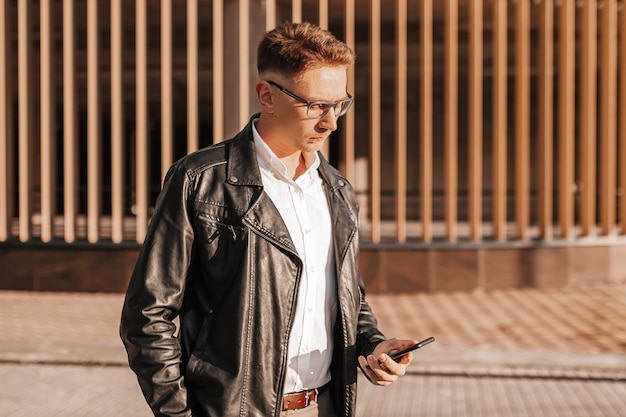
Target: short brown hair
292, 48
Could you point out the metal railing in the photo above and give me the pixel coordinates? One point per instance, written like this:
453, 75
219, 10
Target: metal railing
474, 120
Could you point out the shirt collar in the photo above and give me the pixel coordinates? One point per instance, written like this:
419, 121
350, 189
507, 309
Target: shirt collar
268, 160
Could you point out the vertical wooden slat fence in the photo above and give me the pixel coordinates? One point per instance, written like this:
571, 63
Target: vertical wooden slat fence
451, 100
622, 120
192, 75
401, 120
506, 125
588, 117
25, 142
567, 88
522, 117
48, 120
94, 150
608, 117
500, 74
118, 156
70, 124
426, 120
375, 123
244, 61
218, 69
167, 101
475, 126
545, 124
6, 126
347, 164
141, 108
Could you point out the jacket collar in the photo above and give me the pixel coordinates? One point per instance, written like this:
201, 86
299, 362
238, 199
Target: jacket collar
243, 169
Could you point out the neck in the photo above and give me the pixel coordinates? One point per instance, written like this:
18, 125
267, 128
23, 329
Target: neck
295, 163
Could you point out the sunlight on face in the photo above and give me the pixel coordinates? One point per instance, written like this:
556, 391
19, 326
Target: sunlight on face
293, 130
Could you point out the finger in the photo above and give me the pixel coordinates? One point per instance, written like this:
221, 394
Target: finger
379, 372
390, 366
405, 359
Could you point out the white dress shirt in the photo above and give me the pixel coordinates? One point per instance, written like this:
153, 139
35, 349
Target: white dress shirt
304, 208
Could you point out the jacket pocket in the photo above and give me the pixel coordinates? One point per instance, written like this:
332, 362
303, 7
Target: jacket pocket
219, 227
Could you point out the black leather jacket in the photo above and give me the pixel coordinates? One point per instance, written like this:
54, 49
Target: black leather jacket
218, 255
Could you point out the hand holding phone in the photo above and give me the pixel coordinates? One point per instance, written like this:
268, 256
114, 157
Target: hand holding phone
397, 355
401, 353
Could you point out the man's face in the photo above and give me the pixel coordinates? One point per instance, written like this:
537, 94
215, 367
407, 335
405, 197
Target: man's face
293, 130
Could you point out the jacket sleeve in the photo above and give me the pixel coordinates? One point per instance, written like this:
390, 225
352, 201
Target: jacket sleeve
368, 336
154, 298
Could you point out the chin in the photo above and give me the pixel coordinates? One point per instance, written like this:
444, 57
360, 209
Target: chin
314, 146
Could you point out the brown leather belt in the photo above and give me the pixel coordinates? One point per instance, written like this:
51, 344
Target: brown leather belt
298, 400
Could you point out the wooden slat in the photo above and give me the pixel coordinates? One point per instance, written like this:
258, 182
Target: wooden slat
218, 70
323, 23
567, 71
244, 61
349, 119
6, 125
426, 118
475, 102
270, 14
141, 140
622, 120
499, 139
117, 124
323, 14
94, 148
25, 118
296, 10
545, 116
167, 98
192, 75
70, 124
48, 119
374, 116
522, 119
588, 118
451, 118
401, 119
608, 116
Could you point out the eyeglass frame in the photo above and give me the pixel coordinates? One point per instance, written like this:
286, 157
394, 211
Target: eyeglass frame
331, 105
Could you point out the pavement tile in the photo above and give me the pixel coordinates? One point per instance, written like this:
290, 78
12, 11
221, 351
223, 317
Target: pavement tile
509, 352
510, 325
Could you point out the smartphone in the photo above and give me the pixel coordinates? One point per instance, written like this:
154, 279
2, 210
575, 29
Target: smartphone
399, 354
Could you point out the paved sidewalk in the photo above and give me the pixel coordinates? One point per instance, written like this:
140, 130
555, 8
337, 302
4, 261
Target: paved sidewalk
558, 352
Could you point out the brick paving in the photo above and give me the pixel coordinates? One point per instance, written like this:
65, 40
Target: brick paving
557, 352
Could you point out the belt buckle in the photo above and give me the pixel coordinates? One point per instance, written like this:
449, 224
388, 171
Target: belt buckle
308, 396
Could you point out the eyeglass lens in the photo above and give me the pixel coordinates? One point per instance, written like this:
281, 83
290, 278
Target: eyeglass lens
318, 110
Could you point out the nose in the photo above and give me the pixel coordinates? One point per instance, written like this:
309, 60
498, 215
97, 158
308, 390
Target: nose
329, 120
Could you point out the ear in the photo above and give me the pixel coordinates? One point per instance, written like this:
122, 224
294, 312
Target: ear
265, 96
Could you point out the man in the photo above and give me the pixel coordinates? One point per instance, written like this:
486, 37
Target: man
254, 246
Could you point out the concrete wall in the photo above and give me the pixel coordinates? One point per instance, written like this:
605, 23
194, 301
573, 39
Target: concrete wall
484, 267
384, 269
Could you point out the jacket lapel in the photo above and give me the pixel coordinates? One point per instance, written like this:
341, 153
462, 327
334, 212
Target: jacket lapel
263, 216
243, 170
343, 214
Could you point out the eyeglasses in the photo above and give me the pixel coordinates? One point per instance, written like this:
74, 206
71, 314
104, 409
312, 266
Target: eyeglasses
319, 109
